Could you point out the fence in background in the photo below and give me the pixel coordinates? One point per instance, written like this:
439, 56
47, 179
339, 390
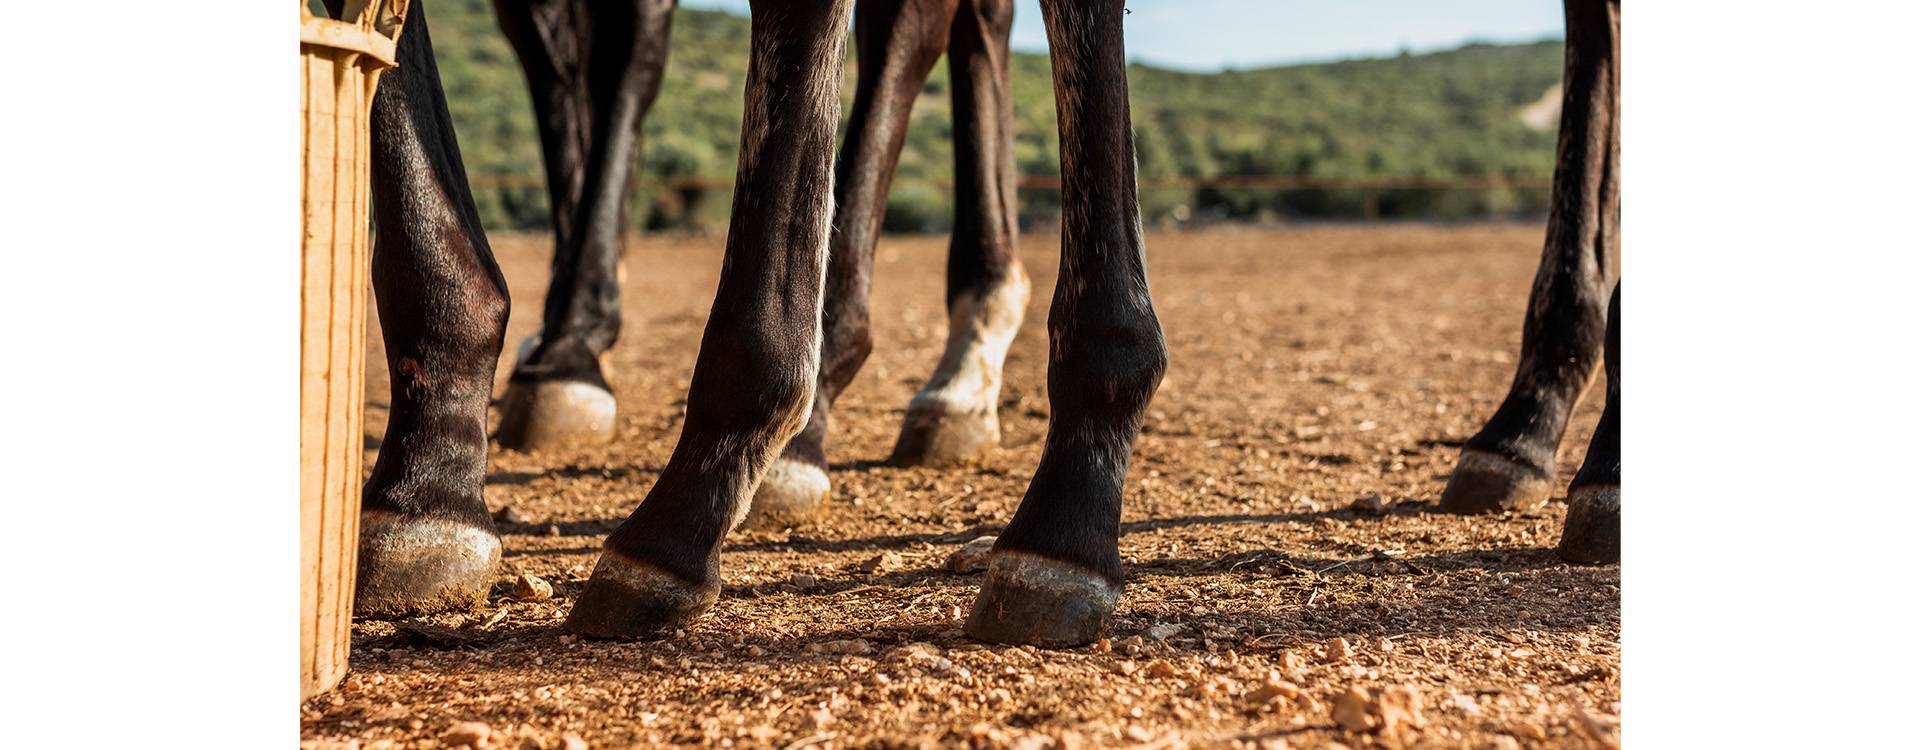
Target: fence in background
673, 193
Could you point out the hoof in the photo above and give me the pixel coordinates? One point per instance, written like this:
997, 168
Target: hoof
791, 494
551, 414
936, 438
1592, 534
626, 598
1487, 483
1031, 600
418, 566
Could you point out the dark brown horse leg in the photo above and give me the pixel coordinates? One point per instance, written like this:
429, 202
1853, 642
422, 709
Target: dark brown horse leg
1055, 575
898, 41
955, 418
1592, 533
1510, 463
593, 67
426, 541
754, 380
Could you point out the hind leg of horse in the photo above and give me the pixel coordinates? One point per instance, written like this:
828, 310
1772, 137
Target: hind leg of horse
955, 418
426, 541
898, 43
1054, 575
594, 69
1509, 464
753, 381
1592, 532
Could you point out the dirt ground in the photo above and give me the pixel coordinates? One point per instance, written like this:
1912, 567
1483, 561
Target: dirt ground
1312, 370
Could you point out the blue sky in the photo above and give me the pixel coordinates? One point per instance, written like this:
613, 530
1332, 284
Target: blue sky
1212, 34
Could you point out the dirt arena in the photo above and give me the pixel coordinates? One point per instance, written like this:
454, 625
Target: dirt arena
1277, 533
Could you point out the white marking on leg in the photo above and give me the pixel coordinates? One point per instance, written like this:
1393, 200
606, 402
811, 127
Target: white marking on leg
980, 329
786, 483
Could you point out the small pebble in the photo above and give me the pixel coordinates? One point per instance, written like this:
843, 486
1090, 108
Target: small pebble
854, 647
972, 557
470, 733
1164, 631
1353, 710
532, 588
1339, 650
1270, 690
881, 564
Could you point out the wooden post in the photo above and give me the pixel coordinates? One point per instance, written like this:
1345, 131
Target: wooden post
341, 62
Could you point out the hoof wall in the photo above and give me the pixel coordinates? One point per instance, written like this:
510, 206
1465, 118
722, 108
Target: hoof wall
935, 438
421, 566
791, 494
1488, 483
1592, 534
554, 414
1030, 600
629, 599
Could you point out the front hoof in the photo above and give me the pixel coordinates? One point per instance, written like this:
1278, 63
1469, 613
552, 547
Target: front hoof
1489, 483
791, 494
1592, 534
411, 565
1031, 600
552, 414
626, 598
937, 438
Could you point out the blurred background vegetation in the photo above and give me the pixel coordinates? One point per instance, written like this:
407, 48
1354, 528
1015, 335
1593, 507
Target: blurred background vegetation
1427, 116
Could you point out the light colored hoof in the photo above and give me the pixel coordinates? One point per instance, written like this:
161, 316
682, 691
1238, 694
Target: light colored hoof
791, 494
1489, 483
626, 598
1592, 533
416, 566
936, 438
553, 414
1031, 600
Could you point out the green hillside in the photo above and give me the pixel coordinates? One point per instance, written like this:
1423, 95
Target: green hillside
1430, 115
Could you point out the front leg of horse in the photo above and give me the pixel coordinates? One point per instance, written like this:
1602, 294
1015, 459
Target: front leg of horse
426, 541
1510, 463
753, 382
898, 43
1054, 576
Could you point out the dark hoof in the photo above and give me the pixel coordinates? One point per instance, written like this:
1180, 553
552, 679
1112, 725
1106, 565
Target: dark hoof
626, 598
1031, 600
1489, 483
1592, 534
552, 414
418, 566
791, 494
936, 438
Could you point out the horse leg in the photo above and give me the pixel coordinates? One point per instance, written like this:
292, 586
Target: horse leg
898, 42
753, 382
955, 418
594, 69
1054, 575
1592, 533
426, 541
1510, 463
